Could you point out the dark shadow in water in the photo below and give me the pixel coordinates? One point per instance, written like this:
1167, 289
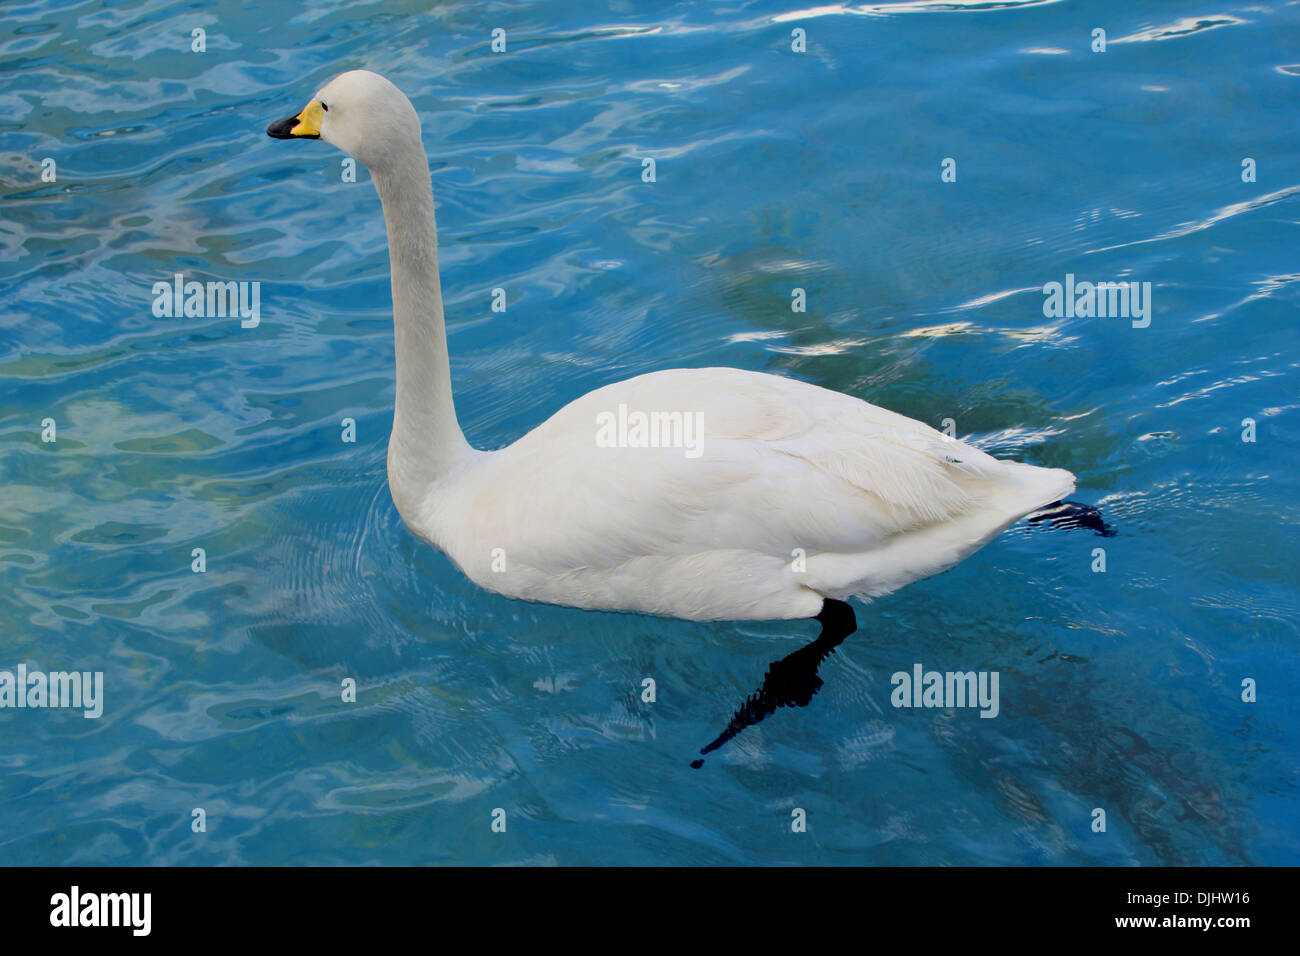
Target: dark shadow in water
1073, 514
791, 681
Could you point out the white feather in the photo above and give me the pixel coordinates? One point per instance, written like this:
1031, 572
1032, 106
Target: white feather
798, 494
873, 499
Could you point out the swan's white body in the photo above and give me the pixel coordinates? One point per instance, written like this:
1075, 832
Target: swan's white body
797, 494
869, 499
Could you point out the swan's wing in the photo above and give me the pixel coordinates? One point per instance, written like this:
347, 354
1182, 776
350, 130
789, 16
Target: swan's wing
781, 468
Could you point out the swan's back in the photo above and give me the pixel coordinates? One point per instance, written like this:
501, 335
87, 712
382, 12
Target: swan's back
798, 494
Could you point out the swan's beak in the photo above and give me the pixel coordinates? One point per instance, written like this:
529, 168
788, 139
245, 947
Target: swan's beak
306, 125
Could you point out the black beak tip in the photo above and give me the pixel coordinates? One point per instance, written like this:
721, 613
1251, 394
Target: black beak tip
280, 128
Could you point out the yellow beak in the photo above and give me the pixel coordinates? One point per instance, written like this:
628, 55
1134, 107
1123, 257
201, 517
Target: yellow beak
306, 125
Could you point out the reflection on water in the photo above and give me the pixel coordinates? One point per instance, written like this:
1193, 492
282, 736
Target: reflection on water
791, 681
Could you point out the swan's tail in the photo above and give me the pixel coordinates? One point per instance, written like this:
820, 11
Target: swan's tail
1072, 514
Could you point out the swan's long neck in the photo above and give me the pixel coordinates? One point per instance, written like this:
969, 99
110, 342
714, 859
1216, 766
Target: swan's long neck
426, 438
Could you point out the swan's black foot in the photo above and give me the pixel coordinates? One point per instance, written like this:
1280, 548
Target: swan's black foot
1073, 514
791, 681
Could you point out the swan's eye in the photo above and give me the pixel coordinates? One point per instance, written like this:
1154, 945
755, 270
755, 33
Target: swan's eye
325, 108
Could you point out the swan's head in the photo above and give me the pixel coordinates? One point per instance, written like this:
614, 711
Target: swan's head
362, 114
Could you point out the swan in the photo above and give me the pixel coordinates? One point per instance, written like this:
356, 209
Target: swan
787, 500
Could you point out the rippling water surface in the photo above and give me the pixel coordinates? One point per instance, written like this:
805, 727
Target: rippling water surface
1119, 690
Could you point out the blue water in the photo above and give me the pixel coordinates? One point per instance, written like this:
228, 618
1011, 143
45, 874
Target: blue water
1119, 690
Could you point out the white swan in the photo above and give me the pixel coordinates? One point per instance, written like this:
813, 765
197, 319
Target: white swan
798, 498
